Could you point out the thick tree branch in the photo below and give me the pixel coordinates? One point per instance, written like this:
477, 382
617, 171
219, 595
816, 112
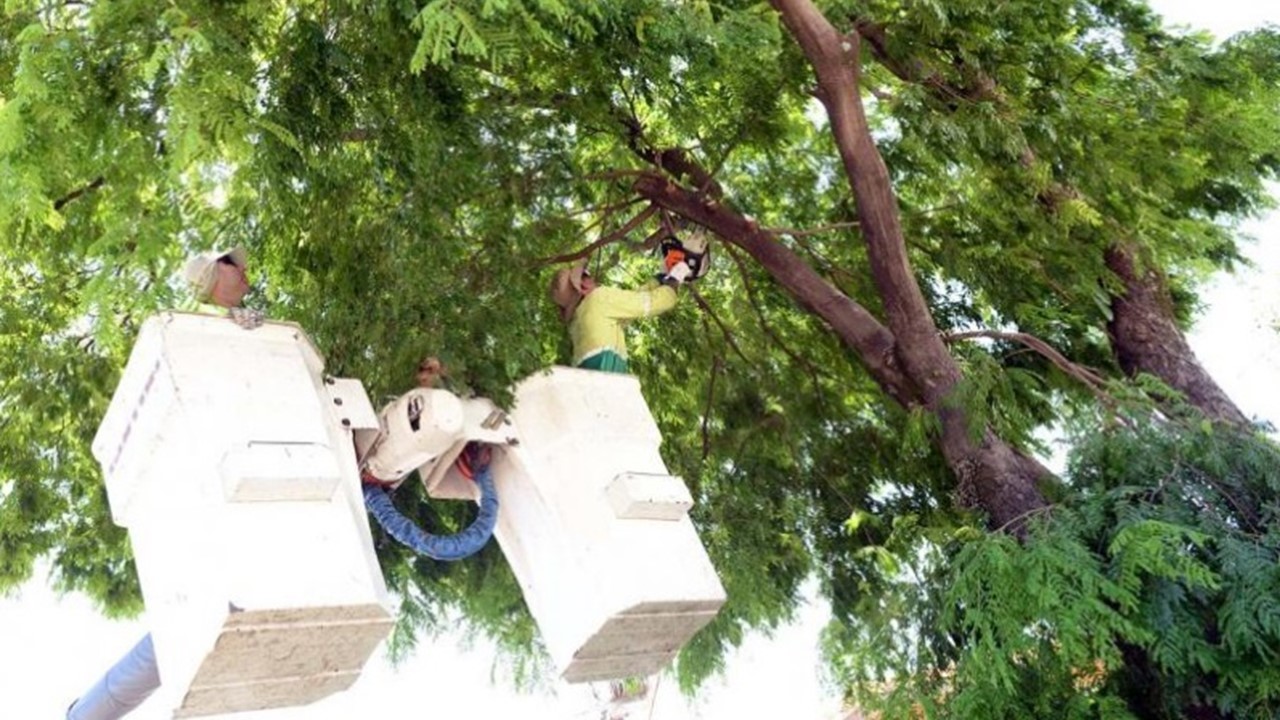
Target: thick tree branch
990, 474
857, 328
1144, 335
835, 61
1147, 339
983, 88
916, 71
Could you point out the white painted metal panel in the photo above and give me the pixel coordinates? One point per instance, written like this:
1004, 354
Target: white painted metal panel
613, 596
641, 496
267, 471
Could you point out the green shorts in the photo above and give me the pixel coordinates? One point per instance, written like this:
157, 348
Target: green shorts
605, 361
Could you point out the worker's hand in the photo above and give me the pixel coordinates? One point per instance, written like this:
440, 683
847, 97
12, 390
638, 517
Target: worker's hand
679, 272
247, 318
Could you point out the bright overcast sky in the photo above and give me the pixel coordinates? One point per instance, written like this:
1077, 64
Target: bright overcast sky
52, 649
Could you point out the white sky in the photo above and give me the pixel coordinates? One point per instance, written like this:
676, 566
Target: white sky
52, 649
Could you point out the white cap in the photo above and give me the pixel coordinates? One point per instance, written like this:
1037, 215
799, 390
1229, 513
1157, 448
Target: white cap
202, 270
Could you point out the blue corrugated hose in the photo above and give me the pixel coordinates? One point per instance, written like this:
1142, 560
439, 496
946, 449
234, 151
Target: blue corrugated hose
441, 547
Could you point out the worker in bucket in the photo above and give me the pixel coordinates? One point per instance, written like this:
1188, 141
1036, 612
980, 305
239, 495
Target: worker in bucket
218, 283
218, 286
597, 314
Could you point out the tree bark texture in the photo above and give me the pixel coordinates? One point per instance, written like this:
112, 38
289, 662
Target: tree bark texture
1146, 339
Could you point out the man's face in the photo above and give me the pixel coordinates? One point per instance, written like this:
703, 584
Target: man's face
588, 283
229, 284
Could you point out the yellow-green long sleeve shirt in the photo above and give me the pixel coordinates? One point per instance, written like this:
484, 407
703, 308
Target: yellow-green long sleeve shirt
599, 320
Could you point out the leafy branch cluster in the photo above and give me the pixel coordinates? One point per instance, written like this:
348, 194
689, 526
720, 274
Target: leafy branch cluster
1155, 588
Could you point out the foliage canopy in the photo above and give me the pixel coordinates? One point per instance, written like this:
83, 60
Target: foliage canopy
407, 173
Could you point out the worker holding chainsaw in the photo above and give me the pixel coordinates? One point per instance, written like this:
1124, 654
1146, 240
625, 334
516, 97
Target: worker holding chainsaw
597, 314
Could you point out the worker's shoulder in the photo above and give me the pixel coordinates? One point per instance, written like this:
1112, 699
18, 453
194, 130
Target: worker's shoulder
191, 305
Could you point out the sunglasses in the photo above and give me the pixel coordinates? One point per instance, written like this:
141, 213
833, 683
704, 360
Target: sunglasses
226, 260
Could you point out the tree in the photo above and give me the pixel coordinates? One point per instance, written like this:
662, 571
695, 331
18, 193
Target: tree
848, 393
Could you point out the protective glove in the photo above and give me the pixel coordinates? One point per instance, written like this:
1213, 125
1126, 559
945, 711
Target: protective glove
247, 318
679, 272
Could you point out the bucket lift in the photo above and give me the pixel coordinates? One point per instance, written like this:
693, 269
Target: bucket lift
228, 454
228, 457
597, 531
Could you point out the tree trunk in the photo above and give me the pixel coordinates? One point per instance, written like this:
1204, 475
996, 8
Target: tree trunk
1144, 334
1146, 339
907, 357
990, 474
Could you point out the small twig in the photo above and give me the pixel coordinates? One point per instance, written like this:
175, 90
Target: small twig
706, 411
79, 192
606, 209
929, 211
1248, 514
606, 212
832, 268
631, 103
652, 239
1020, 517
1089, 378
728, 150
812, 231
614, 236
616, 174
728, 334
752, 300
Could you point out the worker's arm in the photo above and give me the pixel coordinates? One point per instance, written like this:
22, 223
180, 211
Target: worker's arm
631, 304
